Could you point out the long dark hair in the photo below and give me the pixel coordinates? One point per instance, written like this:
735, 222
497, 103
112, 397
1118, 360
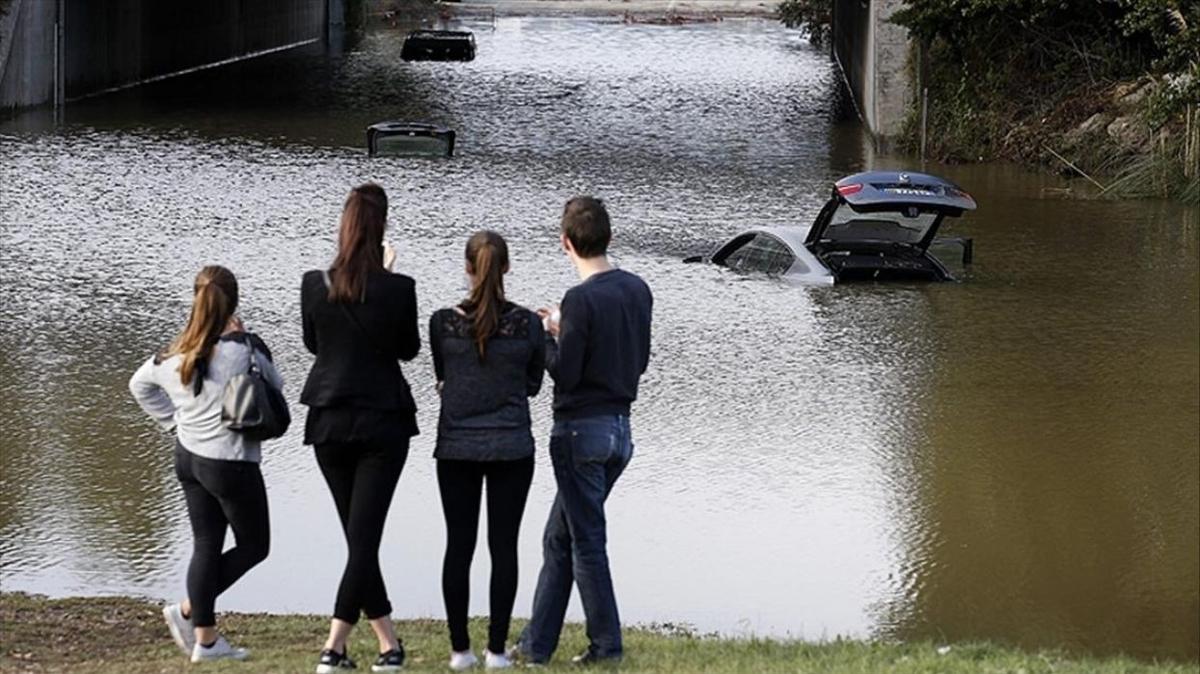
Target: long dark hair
487, 260
360, 243
215, 298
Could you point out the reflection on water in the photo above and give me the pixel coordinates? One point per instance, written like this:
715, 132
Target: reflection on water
1013, 458
1055, 484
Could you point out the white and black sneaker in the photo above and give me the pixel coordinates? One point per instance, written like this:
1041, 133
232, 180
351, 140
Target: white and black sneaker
496, 660
391, 661
332, 662
181, 628
218, 650
461, 661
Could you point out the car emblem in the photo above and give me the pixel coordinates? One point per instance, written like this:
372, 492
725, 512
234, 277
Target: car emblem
904, 177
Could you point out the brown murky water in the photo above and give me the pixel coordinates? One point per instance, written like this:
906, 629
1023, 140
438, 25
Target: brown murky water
1015, 457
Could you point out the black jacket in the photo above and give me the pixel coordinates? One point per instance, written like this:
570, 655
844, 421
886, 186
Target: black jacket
485, 405
358, 344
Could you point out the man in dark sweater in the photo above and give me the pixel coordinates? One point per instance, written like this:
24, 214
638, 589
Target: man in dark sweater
595, 353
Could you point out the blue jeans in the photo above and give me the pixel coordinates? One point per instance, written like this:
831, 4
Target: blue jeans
589, 455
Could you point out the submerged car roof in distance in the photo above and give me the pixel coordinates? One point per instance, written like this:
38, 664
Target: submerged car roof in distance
877, 190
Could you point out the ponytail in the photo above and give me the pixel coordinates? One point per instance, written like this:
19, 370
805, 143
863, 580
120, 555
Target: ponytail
216, 297
487, 259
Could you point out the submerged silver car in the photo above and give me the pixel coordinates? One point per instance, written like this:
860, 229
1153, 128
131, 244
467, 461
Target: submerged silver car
879, 225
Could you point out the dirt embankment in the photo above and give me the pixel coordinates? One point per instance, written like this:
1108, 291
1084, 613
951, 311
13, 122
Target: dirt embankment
1102, 134
1106, 119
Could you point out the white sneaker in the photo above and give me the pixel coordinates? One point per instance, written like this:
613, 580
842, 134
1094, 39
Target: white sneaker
221, 650
462, 660
181, 628
495, 660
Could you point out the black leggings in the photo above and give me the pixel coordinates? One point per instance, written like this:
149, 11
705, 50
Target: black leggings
507, 488
362, 477
221, 494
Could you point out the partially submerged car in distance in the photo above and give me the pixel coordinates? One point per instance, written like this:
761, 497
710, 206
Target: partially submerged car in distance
410, 139
878, 225
438, 45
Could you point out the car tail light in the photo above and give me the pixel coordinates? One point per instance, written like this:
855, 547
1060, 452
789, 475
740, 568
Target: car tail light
847, 190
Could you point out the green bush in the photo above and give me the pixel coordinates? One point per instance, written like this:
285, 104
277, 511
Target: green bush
814, 18
1047, 45
1008, 77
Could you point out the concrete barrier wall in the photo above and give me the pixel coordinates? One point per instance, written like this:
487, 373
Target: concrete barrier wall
872, 54
108, 44
893, 81
113, 43
851, 33
27, 53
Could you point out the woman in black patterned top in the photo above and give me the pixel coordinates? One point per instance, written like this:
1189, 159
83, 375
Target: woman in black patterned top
489, 355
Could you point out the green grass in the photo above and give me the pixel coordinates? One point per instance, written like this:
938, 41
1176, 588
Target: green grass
110, 635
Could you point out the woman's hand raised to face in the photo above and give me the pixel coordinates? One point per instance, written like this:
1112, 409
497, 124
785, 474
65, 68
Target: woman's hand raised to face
389, 256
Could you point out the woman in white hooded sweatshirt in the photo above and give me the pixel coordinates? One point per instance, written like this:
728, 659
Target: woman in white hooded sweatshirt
182, 389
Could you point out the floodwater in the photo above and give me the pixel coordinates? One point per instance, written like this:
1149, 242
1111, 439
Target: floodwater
1014, 458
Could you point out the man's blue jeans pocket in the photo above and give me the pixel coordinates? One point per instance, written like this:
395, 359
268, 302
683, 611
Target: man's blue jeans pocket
584, 441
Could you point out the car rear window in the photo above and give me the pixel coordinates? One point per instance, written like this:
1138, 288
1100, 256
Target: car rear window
848, 225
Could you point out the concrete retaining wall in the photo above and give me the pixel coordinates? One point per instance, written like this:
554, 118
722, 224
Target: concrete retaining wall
873, 53
27, 53
113, 43
109, 44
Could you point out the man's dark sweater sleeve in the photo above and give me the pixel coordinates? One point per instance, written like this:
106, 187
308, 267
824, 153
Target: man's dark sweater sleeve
646, 336
564, 357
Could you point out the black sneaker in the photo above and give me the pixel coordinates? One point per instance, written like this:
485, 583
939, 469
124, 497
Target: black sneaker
331, 662
391, 661
517, 654
590, 657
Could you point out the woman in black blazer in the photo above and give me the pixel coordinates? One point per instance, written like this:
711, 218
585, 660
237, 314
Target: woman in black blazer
359, 320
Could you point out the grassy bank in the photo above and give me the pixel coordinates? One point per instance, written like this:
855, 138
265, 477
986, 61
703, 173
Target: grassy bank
103, 635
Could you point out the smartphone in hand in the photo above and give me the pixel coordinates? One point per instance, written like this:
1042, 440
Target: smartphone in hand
389, 256
551, 317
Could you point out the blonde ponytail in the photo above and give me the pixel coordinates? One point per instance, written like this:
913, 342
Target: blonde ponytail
215, 300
